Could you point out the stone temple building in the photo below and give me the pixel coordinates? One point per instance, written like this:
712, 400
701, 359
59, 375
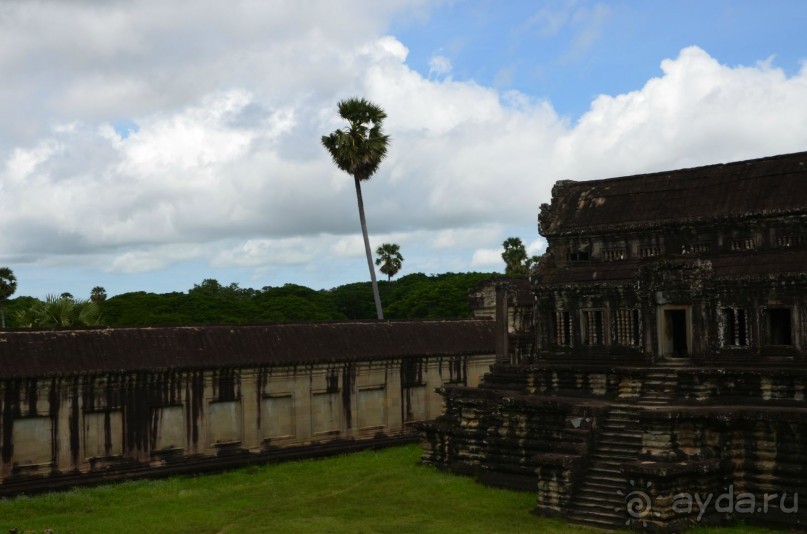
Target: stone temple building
656, 357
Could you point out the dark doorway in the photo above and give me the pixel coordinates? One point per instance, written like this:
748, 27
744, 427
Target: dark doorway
677, 328
779, 330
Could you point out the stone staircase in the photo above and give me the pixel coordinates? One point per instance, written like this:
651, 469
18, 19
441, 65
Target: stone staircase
598, 501
659, 387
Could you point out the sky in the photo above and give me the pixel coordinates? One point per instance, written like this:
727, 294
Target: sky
147, 146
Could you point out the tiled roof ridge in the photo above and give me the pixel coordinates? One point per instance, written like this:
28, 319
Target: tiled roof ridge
250, 326
61, 352
767, 187
684, 170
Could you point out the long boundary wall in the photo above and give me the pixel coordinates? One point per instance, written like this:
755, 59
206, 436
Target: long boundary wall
89, 406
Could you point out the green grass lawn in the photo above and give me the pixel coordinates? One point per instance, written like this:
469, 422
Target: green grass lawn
371, 491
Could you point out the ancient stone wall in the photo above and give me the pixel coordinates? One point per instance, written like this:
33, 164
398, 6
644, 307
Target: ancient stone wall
81, 427
587, 439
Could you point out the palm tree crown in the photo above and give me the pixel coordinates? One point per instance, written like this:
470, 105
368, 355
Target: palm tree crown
98, 294
514, 256
60, 311
358, 151
389, 258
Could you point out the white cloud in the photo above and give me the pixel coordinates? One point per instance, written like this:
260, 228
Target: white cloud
537, 247
152, 258
487, 257
23, 162
439, 66
263, 252
464, 237
348, 247
698, 112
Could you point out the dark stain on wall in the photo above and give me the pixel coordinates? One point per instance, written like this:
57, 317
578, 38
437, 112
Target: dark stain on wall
194, 398
411, 376
262, 380
348, 382
11, 410
31, 397
107, 433
53, 412
136, 412
74, 424
457, 370
332, 381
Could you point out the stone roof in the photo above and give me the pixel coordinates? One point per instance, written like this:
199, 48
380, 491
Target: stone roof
43, 352
750, 264
756, 187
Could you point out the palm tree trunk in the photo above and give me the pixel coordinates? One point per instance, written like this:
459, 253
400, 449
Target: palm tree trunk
379, 311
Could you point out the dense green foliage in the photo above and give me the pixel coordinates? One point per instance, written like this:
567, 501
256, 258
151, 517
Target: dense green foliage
59, 311
17, 305
371, 491
416, 296
8, 285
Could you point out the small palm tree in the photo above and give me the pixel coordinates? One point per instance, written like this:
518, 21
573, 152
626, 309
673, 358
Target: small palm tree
390, 259
98, 294
358, 151
8, 285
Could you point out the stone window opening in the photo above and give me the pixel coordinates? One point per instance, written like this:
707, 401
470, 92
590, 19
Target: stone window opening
616, 254
695, 248
593, 327
784, 241
738, 245
735, 322
650, 252
780, 327
627, 327
579, 256
788, 240
563, 328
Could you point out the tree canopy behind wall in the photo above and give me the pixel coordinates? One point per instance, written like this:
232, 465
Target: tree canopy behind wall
415, 296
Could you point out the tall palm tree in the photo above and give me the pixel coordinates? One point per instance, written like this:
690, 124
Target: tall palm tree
8, 285
358, 151
390, 259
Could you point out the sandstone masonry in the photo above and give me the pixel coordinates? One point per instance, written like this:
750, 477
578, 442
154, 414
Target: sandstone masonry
663, 353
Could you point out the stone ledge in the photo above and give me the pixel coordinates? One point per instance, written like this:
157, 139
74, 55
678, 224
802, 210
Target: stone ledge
551, 459
670, 469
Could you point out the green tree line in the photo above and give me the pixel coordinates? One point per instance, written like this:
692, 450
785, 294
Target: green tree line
415, 296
